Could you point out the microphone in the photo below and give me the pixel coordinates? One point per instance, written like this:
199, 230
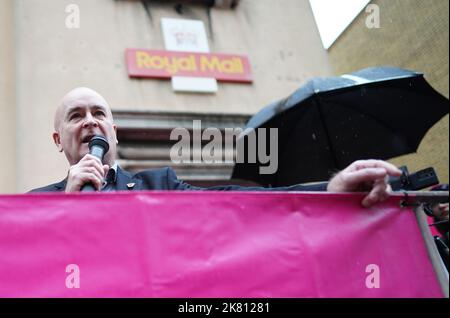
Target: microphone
98, 147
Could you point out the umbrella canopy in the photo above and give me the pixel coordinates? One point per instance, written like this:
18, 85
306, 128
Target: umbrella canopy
328, 123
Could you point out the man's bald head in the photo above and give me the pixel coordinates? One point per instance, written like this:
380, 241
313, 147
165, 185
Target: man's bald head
75, 95
82, 114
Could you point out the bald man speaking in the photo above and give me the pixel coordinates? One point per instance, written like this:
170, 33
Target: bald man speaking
84, 113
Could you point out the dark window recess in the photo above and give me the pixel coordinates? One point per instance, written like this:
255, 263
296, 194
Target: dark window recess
226, 4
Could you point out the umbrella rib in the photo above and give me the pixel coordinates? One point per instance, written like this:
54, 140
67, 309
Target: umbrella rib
327, 133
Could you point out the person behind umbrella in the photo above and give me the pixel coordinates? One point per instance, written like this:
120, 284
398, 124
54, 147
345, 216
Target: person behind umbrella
84, 113
440, 212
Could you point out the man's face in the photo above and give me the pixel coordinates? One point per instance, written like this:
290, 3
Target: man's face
83, 113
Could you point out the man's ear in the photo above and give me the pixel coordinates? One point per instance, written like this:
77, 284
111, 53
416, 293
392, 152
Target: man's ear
115, 131
57, 141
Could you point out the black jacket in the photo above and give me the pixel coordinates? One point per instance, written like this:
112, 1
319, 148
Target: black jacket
166, 179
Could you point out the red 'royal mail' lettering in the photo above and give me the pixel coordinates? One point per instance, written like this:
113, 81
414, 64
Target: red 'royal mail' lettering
166, 64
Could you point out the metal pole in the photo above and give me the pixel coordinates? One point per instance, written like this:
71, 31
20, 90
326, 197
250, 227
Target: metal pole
433, 253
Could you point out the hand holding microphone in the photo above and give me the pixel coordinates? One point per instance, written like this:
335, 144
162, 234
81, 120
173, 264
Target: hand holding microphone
88, 174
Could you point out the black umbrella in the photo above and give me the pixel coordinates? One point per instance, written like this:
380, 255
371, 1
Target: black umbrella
328, 123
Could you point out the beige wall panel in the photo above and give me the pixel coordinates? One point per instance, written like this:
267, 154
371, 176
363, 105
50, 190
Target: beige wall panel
7, 99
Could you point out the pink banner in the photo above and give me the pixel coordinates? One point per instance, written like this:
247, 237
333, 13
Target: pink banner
210, 244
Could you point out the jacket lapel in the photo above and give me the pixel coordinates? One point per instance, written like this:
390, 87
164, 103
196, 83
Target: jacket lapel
125, 182
60, 186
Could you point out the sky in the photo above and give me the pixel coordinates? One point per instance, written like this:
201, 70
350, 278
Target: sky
333, 17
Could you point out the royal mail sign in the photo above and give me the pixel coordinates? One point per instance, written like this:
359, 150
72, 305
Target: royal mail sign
167, 64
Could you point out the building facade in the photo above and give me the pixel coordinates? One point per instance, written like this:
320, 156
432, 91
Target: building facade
42, 59
44, 55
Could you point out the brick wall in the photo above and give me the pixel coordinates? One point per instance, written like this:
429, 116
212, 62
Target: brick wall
414, 35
